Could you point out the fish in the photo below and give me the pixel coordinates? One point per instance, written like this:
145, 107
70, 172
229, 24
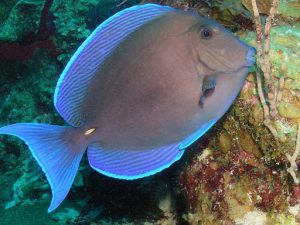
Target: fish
146, 84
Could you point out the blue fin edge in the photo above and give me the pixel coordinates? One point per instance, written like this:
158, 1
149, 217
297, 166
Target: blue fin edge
152, 172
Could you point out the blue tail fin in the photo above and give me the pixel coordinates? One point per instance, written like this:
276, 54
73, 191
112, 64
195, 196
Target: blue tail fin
56, 149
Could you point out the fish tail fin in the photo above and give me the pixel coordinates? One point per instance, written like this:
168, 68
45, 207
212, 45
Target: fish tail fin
58, 151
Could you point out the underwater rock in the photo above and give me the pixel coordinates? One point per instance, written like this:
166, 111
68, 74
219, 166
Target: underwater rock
284, 51
225, 142
263, 5
289, 10
22, 188
68, 216
288, 110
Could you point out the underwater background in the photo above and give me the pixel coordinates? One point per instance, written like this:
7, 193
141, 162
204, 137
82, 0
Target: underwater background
242, 171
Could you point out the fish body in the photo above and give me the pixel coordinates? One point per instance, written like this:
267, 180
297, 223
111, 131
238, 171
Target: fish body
146, 103
148, 89
144, 86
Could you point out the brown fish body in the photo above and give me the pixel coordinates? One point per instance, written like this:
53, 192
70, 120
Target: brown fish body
147, 92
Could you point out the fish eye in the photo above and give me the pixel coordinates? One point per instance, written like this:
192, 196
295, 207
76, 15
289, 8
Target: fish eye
206, 33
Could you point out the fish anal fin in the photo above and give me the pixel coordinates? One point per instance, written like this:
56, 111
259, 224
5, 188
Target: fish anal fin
131, 165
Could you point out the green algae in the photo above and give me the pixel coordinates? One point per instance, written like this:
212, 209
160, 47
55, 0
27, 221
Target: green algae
285, 48
27, 215
70, 19
35, 102
289, 110
275, 218
289, 9
36, 214
5, 8
18, 24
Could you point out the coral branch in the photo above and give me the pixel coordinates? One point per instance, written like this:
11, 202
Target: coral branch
122, 3
44, 32
292, 159
267, 64
21, 53
259, 35
268, 25
266, 109
263, 58
262, 96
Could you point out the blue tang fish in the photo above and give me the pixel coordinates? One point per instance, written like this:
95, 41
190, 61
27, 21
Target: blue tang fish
146, 84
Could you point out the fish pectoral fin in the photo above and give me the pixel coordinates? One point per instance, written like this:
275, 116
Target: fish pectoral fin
129, 165
208, 88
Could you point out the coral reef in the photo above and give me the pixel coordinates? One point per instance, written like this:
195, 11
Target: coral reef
236, 174
70, 25
274, 88
263, 192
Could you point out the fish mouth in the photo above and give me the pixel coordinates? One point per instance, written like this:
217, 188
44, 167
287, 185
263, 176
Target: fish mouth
250, 56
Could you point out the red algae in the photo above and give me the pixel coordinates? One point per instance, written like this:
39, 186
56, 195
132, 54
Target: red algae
294, 195
212, 181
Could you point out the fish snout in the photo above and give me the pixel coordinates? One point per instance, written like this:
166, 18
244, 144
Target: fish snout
250, 56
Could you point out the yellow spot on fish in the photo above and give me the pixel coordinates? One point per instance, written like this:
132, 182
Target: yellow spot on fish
89, 131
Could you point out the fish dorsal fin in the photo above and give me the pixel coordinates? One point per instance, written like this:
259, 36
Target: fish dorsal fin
74, 80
